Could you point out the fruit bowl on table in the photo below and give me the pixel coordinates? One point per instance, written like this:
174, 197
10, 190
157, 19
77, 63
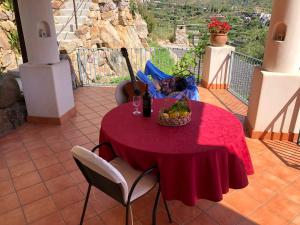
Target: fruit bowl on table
179, 114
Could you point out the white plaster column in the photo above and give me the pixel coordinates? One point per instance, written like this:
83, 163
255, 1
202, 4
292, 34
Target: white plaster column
282, 52
274, 102
46, 80
216, 67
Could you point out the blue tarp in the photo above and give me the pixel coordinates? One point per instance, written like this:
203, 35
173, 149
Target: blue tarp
191, 91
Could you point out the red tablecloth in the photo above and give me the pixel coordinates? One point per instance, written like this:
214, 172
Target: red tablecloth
200, 160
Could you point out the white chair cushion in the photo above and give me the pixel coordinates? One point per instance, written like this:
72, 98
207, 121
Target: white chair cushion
118, 171
100, 166
130, 175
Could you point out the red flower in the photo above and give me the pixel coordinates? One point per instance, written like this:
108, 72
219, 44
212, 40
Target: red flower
217, 26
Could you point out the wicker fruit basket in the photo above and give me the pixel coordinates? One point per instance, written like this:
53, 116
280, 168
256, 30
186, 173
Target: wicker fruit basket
179, 114
175, 122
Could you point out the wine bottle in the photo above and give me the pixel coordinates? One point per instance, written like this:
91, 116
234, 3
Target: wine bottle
147, 103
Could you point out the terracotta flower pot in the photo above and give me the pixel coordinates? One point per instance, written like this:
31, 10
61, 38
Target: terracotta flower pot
218, 40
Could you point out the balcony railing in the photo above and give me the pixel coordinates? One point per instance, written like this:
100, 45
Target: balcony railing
241, 73
105, 66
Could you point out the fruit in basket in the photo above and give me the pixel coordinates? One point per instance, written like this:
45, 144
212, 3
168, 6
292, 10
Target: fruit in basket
180, 109
165, 115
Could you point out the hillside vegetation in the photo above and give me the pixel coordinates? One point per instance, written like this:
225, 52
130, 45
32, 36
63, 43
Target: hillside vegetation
248, 28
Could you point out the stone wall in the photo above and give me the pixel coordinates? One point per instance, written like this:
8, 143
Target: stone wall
181, 36
110, 25
8, 56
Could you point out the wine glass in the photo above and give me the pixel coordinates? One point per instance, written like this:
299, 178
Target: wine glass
136, 103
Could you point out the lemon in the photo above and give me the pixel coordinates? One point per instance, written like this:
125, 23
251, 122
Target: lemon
184, 114
174, 115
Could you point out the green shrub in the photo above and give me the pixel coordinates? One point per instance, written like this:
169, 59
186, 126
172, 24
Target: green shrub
14, 42
133, 7
8, 5
148, 16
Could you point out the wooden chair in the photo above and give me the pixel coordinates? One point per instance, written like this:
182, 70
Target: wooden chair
117, 179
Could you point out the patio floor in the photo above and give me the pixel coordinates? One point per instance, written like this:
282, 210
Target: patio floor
41, 185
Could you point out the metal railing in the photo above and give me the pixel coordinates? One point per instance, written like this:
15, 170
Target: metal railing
240, 75
106, 66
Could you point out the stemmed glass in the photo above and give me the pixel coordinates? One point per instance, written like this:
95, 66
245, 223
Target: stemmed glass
136, 103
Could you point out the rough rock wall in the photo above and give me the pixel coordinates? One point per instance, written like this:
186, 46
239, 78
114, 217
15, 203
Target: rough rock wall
8, 31
110, 25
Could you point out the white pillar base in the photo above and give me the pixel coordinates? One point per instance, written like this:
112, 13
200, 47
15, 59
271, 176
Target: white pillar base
48, 92
274, 105
216, 67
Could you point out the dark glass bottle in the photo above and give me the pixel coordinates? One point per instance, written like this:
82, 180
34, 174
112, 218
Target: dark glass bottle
147, 103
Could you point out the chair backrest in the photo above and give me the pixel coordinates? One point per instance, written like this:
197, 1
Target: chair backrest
120, 95
101, 174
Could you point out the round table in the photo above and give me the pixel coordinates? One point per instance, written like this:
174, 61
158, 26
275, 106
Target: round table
201, 160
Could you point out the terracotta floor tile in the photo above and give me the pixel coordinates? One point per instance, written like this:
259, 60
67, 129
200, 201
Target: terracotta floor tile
77, 176
82, 124
52, 219
258, 192
90, 130
142, 207
15, 217
38, 209
94, 221
45, 161
79, 140
285, 173
3, 164
114, 216
22, 169
54, 139
272, 182
265, 216
35, 145
67, 197
60, 183
203, 218
292, 193
72, 213
32, 193
204, 204
90, 145
284, 207
70, 165
9, 202
52, 171
64, 156
17, 159
26, 180
43, 143
6, 187
60, 146
40, 152
224, 215
161, 218
4, 174
182, 213
296, 220
246, 206
72, 134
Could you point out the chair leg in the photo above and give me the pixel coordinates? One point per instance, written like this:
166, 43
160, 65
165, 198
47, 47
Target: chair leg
168, 211
128, 208
155, 206
85, 204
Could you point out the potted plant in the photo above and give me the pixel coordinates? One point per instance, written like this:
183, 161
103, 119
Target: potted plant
218, 30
